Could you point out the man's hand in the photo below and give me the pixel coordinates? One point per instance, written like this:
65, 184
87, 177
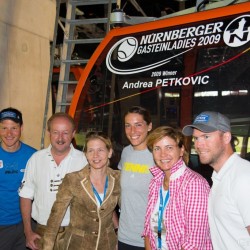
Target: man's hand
31, 239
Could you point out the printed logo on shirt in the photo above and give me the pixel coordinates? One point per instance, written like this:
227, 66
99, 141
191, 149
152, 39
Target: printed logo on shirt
136, 168
1, 163
11, 168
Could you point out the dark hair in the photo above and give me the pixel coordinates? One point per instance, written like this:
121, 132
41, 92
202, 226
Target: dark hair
141, 111
174, 133
97, 135
59, 115
12, 114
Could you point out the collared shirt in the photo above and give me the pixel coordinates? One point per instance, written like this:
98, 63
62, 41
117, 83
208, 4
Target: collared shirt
185, 218
42, 178
229, 205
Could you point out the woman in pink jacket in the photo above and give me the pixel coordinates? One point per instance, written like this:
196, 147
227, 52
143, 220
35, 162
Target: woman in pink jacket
176, 217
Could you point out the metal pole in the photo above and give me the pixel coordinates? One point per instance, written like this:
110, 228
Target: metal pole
52, 53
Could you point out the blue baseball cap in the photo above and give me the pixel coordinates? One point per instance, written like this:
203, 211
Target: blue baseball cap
11, 114
208, 122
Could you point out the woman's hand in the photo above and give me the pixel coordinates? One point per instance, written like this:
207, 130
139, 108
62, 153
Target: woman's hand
147, 243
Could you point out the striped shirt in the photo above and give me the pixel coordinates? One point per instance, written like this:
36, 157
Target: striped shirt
185, 217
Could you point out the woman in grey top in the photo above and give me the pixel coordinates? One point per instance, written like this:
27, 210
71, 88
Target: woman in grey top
135, 162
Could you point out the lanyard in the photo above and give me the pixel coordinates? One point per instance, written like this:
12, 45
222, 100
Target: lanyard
105, 190
160, 216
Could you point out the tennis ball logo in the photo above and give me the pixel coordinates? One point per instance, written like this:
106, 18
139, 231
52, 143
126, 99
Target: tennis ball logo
127, 49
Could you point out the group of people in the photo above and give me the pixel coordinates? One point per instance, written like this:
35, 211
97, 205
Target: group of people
68, 198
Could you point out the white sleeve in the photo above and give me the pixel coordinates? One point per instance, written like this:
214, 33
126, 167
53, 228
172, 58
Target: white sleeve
242, 195
27, 187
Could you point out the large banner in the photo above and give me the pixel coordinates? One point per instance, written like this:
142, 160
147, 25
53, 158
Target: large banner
156, 58
176, 68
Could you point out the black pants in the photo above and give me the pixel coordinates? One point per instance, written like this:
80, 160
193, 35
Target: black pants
123, 246
12, 237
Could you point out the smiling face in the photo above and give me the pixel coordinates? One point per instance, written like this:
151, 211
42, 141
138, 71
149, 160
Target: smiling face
61, 134
136, 130
97, 153
166, 153
212, 147
10, 133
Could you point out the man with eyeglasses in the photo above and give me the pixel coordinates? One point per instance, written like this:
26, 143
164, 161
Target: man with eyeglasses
229, 202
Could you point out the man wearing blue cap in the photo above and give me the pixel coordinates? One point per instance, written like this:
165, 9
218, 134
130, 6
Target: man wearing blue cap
14, 155
229, 199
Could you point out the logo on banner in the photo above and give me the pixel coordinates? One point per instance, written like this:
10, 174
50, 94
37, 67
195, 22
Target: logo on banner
237, 33
126, 49
164, 46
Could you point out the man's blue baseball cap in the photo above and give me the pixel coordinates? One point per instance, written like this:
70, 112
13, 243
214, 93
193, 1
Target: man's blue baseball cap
11, 114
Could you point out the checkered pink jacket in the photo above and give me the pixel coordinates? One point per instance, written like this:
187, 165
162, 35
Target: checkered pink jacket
185, 218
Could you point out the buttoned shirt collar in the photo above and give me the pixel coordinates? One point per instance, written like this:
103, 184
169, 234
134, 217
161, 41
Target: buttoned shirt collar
72, 151
176, 171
